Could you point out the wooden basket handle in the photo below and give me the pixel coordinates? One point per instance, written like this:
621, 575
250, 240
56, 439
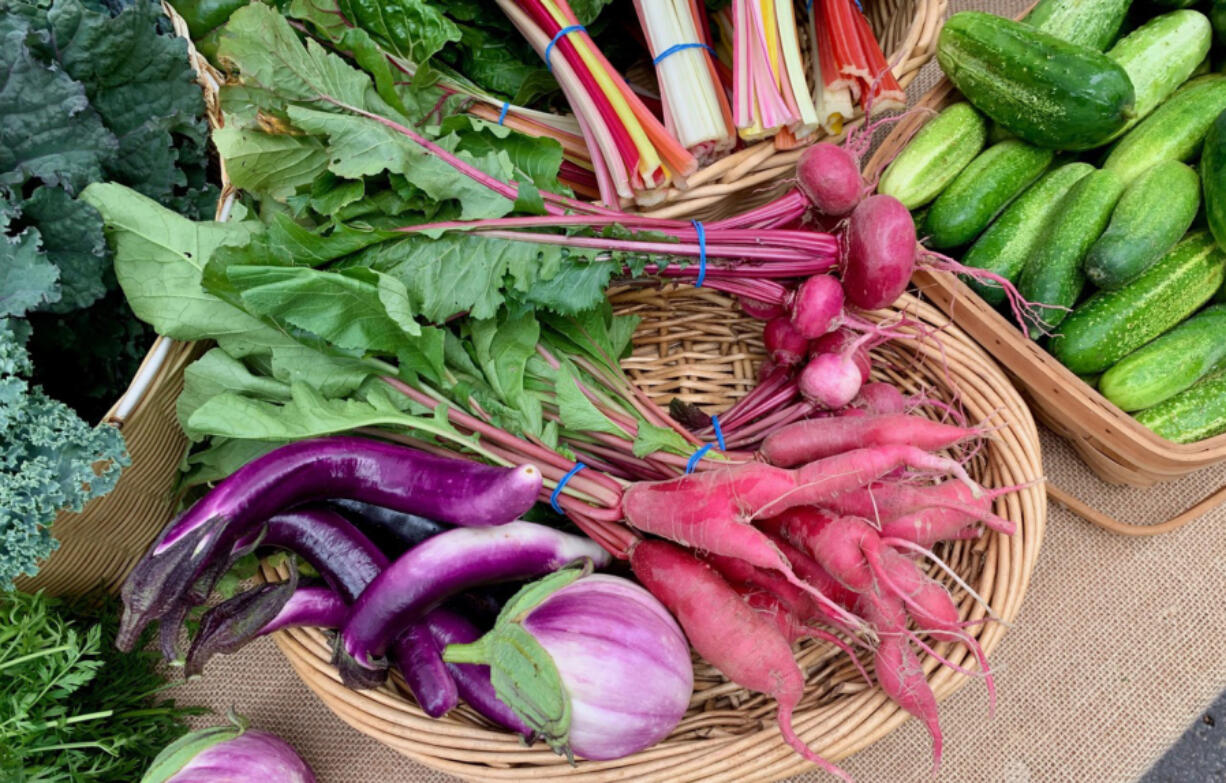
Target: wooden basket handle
1208, 503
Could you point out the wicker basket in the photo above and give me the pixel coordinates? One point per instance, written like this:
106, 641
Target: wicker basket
1115, 446
729, 734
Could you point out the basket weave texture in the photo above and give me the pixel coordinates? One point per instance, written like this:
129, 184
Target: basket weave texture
1113, 444
729, 733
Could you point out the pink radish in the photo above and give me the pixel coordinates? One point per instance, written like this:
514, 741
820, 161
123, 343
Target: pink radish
791, 627
881, 252
756, 308
784, 344
836, 342
830, 177
831, 380
806, 441
725, 630
817, 307
879, 398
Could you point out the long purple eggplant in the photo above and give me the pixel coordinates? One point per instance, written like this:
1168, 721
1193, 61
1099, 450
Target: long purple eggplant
346, 559
260, 611
439, 568
420, 659
472, 680
394, 532
453, 491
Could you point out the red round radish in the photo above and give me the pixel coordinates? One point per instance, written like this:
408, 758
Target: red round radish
831, 380
881, 249
817, 307
830, 177
784, 344
756, 308
880, 399
835, 342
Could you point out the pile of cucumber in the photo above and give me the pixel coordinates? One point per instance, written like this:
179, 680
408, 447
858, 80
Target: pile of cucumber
1087, 165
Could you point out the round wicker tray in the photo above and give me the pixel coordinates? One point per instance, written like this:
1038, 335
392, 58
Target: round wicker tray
729, 733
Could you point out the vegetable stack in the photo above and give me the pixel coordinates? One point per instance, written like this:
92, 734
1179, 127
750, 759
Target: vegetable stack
1110, 253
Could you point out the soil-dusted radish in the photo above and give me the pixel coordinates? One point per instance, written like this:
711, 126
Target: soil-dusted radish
785, 346
881, 252
437, 569
817, 306
593, 663
419, 657
829, 176
806, 441
472, 680
879, 399
757, 308
841, 340
744, 645
454, 491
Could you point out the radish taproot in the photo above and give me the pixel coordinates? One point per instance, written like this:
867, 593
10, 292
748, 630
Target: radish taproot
744, 645
806, 441
881, 252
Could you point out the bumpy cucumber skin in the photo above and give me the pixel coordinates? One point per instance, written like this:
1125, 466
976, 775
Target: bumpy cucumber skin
1011, 239
1160, 369
1159, 56
1049, 92
1213, 178
1192, 415
1092, 23
1053, 275
1174, 131
1154, 213
1112, 324
935, 157
984, 188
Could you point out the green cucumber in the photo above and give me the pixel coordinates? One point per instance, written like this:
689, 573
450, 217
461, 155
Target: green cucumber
1112, 324
1173, 132
1163, 368
1092, 23
1191, 416
1154, 213
1159, 56
1052, 278
1213, 178
936, 155
984, 188
1049, 92
1012, 237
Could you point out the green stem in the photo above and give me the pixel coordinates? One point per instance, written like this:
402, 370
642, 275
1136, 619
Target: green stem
35, 656
477, 652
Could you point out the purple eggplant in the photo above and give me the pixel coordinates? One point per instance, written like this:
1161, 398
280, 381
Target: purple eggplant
439, 568
453, 491
472, 680
394, 532
420, 659
345, 558
260, 611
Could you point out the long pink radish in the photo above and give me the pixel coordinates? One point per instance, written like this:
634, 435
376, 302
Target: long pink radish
744, 645
813, 439
796, 600
791, 627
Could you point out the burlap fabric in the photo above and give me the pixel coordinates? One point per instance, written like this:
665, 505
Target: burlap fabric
1120, 645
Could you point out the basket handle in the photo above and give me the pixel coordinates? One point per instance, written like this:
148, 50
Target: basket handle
1090, 514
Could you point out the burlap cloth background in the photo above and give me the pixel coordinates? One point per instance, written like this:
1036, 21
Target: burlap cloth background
1120, 645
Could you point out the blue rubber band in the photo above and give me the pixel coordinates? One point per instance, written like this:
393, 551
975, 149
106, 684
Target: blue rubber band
553, 499
702, 252
574, 28
719, 433
697, 455
680, 48
502, 115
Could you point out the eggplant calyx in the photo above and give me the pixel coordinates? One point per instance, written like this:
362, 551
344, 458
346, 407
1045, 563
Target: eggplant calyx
231, 624
354, 674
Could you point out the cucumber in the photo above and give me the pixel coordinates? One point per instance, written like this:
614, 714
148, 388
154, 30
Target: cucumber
1213, 178
1052, 275
1173, 132
984, 188
1154, 213
1049, 92
1112, 324
1010, 240
936, 155
1159, 56
1168, 365
1092, 23
1193, 415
